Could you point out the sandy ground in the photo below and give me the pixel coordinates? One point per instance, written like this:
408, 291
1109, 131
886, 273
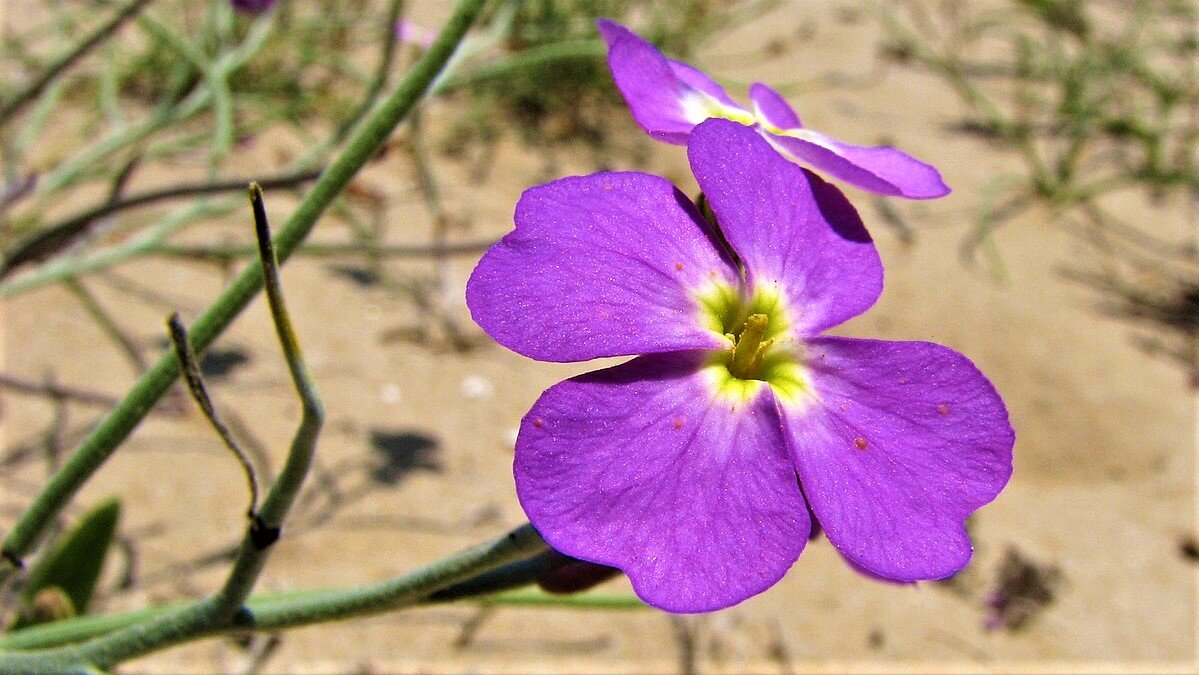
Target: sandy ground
416, 459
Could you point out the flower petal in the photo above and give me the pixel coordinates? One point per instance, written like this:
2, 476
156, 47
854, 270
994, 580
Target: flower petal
699, 81
771, 108
667, 98
903, 441
641, 467
648, 84
884, 171
791, 229
599, 265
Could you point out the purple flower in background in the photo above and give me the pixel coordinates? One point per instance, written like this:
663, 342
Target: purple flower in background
415, 34
668, 98
253, 6
694, 467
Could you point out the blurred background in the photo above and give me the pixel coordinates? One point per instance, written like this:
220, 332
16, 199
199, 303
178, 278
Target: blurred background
1065, 264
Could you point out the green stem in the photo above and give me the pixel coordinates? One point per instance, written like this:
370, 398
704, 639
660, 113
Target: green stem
119, 423
395, 9
108, 90
254, 42
224, 252
216, 75
264, 613
53, 390
75, 630
36, 120
223, 115
49, 240
499, 30
171, 112
108, 325
69, 267
97, 37
582, 50
506, 577
268, 522
90, 157
220, 609
199, 391
532, 597
187, 50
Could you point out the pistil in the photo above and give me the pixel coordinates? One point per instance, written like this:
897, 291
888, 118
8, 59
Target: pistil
750, 348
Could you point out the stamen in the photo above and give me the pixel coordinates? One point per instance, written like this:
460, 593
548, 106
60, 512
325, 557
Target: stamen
750, 347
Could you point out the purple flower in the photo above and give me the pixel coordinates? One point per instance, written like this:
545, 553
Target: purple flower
415, 34
668, 98
680, 466
254, 7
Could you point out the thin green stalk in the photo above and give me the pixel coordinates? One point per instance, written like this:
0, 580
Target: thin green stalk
220, 72
89, 158
182, 47
395, 9
217, 77
108, 325
498, 30
53, 390
108, 93
513, 594
36, 120
171, 111
220, 609
249, 47
79, 629
49, 240
225, 252
223, 121
406, 591
119, 423
264, 613
531, 597
68, 267
98, 36
506, 577
536, 56
190, 365
430, 189
223, 20
268, 522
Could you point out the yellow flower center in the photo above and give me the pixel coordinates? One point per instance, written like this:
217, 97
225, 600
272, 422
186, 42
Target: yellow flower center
761, 349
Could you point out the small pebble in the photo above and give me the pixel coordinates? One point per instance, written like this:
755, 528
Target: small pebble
390, 393
477, 386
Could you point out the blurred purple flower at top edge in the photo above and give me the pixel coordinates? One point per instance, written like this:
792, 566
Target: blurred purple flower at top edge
414, 34
668, 98
254, 7
700, 467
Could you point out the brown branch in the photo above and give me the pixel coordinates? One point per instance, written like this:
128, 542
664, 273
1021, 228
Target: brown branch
51, 240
